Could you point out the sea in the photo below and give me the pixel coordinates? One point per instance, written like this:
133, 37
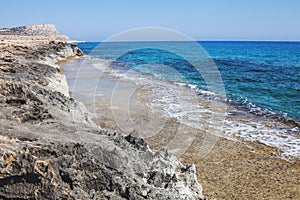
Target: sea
261, 79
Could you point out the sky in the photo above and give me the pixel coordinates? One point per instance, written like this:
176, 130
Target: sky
200, 19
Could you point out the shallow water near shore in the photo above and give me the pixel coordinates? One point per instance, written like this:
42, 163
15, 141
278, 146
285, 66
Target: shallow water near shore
134, 101
127, 101
264, 76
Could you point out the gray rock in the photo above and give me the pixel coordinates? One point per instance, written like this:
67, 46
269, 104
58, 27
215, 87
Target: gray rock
51, 149
78, 51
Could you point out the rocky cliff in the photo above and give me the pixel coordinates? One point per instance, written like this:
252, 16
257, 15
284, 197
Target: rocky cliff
49, 147
41, 30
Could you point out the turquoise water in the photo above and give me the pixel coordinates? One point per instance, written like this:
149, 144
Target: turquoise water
264, 75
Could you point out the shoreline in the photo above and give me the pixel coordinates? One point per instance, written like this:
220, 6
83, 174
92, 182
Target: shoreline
243, 158
285, 131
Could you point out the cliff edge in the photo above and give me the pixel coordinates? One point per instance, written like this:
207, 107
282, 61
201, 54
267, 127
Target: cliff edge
49, 147
41, 30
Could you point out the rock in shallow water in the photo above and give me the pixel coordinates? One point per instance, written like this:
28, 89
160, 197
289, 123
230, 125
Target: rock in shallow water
78, 51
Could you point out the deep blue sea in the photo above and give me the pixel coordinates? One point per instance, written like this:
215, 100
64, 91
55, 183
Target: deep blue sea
260, 74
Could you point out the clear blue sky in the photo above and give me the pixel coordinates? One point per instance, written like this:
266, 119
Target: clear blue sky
201, 19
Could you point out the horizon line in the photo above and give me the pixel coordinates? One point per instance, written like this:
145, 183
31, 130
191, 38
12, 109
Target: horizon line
83, 41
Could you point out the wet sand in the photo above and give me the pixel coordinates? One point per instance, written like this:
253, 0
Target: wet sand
233, 169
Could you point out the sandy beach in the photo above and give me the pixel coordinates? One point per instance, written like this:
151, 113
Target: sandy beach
233, 168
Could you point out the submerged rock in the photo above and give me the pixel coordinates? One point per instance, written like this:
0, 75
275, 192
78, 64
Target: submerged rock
51, 149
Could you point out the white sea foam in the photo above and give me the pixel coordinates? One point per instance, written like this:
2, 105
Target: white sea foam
76, 41
182, 105
183, 102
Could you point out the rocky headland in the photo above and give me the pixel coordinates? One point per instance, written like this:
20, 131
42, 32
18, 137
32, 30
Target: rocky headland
49, 146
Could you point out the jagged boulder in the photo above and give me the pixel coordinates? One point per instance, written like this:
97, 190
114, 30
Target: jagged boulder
77, 51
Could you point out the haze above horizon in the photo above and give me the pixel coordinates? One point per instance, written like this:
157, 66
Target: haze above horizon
215, 20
